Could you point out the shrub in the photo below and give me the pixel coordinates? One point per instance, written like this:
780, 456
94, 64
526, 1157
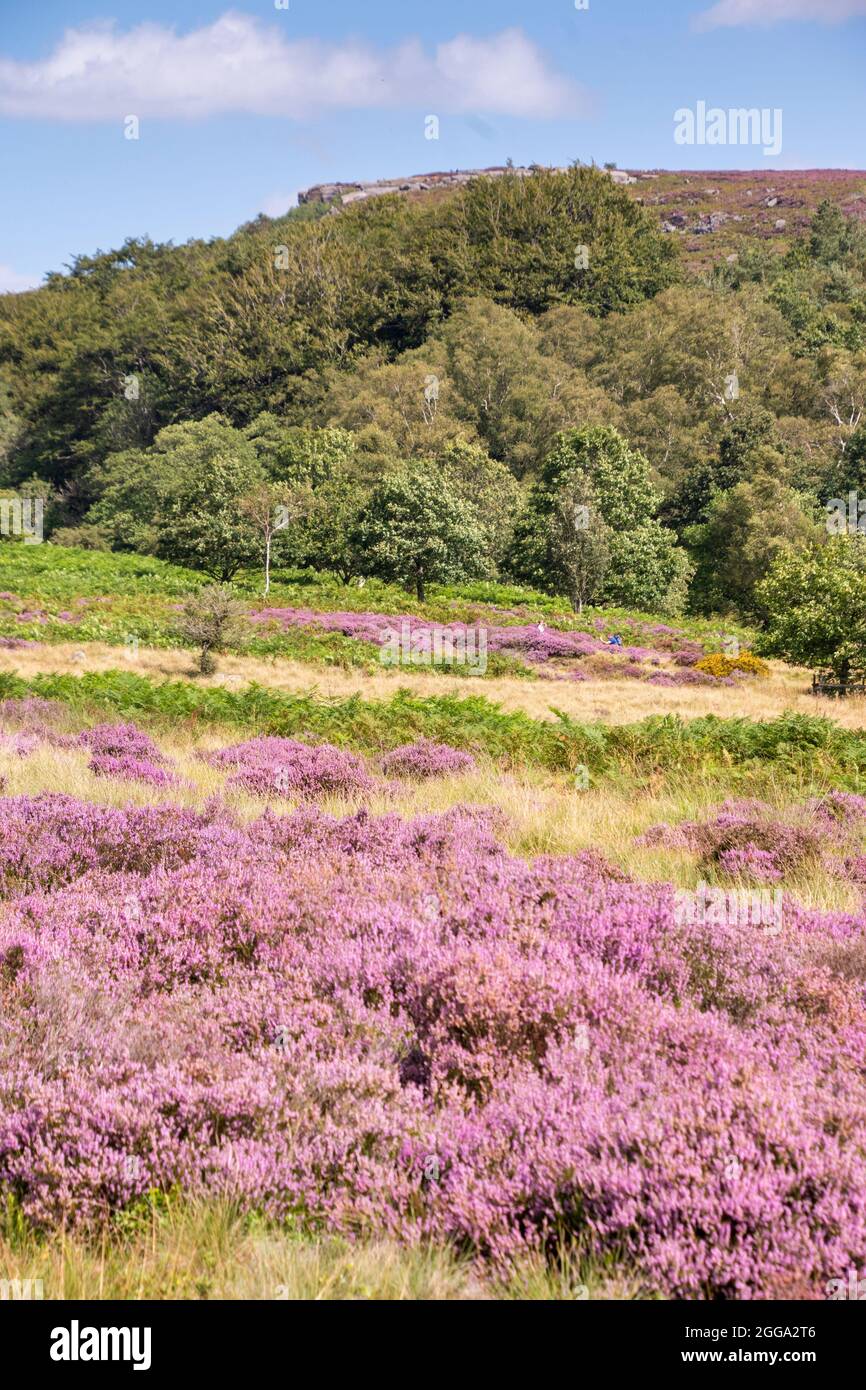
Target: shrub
375, 1024
718, 664
427, 759
212, 619
121, 741
129, 766
285, 767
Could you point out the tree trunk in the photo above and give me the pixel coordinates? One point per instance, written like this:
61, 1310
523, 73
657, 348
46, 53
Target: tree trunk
419, 583
267, 566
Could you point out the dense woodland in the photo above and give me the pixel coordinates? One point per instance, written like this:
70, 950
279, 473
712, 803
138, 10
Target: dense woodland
522, 380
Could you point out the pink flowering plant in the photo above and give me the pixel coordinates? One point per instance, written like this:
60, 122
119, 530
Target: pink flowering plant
269, 766
427, 759
382, 1026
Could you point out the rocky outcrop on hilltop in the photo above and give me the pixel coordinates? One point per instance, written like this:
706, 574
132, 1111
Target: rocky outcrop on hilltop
341, 194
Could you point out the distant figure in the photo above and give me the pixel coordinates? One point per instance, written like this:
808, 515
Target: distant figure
615, 641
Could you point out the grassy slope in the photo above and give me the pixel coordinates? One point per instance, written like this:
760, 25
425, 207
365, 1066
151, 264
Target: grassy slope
658, 768
136, 594
744, 194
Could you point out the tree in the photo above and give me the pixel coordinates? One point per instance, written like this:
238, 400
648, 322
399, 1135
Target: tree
415, 529
748, 446
327, 536
646, 567
202, 524
507, 391
299, 455
487, 486
579, 541
815, 605
834, 235
519, 236
213, 620
848, 473
271, 508
744, 530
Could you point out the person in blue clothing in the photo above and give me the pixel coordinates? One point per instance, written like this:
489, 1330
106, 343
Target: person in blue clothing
614, 641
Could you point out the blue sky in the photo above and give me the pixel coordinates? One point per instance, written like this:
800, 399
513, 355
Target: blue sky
241, 105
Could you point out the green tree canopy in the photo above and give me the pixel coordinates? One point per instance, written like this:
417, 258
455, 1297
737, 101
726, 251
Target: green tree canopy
815, 605
416, 529
200, 522
646, 569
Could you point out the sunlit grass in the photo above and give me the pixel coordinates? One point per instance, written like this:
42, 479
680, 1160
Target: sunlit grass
173, 1248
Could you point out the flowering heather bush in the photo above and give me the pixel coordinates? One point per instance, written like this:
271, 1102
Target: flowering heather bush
33, 712
13, 643
855, 868
838, 808
121, 741
128, 765
689, 654
427, 759
284, 767
34, 721
375, 1025
743, 839
20, 744
759, 865
48, 840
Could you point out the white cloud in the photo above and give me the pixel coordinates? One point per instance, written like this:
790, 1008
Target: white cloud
12, 282
238, 64
733, 13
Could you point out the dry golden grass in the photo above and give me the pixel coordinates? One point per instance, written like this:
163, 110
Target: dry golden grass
613, 701
188, 1250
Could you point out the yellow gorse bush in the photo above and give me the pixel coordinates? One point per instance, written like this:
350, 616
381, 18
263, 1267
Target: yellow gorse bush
718, 664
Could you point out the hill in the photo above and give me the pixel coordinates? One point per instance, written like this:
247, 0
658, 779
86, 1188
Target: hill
714, 212
470, 321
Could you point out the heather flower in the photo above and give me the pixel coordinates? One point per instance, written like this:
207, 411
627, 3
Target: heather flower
21, 744
33, 712
121, 740
299, 1013
838, 808
741, 838
427, 759
132, 767
855, 868
688, 654
537, 642
748, 861
284, 767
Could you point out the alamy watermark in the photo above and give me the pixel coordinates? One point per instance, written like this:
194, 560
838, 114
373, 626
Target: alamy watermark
733, 907
852, 1288
736, 126
435, 646
846, 515
77, 1343
20, 1290
22, 516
